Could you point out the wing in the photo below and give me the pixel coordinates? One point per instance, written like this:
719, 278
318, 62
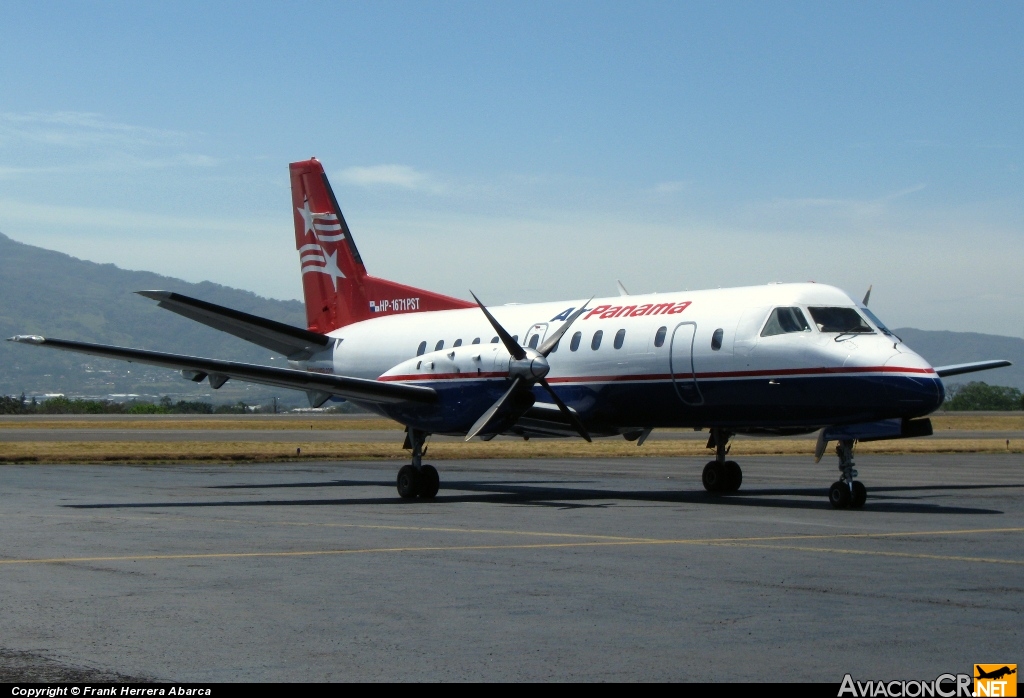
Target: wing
319, 386
293, 342
957, 369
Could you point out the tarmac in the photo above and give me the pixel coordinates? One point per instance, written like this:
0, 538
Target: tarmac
565, 570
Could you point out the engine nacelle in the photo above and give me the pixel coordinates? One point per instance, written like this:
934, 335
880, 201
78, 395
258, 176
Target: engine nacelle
468, 380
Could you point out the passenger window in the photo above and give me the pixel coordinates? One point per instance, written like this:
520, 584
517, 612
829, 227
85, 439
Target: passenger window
574, 344
515, 338
842, 320
494, 340
458, 343
555, 348
534, 340
659, 336
422, 348
716, 339
785, 320
620, 336
439, 346
595, 343
476, 340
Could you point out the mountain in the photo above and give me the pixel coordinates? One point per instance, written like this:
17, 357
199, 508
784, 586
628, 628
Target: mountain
942, 348
53, 294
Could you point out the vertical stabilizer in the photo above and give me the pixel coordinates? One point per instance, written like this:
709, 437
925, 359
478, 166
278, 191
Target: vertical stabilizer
337, 289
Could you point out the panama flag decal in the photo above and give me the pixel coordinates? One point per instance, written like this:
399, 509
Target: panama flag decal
320, 254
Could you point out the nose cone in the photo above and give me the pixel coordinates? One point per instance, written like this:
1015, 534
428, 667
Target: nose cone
912, 384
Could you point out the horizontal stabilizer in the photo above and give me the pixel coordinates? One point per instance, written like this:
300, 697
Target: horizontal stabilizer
362, 389
295, 343
957, 369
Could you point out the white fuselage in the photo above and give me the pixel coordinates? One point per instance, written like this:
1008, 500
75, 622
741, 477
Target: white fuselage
673, 359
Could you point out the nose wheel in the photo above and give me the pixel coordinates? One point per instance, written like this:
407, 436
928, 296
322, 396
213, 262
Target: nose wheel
417, 479
721, 475
847, 492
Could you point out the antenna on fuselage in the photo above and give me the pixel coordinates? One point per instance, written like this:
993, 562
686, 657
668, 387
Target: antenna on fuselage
867, 297
622, 289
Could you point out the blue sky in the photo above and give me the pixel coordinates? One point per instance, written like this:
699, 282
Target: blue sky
533, 151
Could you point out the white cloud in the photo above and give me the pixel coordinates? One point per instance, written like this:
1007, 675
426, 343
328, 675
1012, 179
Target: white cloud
401, 176
80, 129
670, 187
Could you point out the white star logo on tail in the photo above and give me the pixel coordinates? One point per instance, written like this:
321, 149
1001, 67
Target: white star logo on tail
325, 229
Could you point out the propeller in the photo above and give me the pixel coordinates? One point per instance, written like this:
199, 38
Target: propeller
526, 367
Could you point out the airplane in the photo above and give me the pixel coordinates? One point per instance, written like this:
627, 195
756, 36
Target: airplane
772, 360
995, 674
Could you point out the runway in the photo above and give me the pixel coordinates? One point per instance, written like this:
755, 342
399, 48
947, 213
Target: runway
619, 569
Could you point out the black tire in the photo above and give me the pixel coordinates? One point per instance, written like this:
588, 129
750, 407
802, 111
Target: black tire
859, 496
733, 476
713, 477
408, 482
430, 482
839, 495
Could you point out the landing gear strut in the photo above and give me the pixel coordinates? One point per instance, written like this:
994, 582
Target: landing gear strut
721, 475
847, 492
417, 479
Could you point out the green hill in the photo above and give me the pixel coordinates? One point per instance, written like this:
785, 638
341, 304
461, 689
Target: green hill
53, 294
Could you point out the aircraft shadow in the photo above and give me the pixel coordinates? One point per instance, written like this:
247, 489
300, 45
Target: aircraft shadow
541, 493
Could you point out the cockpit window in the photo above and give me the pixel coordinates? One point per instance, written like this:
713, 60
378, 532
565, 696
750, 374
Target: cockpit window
784, 320
878, 323
842, 320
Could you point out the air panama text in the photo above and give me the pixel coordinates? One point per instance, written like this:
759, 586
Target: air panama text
603, 312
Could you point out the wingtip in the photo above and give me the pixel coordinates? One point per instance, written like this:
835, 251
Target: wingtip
155, 295
27, 339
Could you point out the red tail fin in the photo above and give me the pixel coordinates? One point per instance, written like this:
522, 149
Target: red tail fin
337, 288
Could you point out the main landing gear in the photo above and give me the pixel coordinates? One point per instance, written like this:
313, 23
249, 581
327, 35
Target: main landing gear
721, 475
417, 479
847, 492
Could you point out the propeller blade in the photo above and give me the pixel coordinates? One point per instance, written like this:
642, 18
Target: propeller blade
580, 429
551, 341
487, 416
511, 345
867, 297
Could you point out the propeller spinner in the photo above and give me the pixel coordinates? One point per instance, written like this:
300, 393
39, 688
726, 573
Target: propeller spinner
527, 366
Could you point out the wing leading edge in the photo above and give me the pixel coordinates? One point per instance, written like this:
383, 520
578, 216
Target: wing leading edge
318, 386
957, 369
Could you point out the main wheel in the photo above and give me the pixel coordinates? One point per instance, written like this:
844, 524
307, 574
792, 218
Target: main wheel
714, 477
430, 482
839, 495
409, 482
733, 476
859, 495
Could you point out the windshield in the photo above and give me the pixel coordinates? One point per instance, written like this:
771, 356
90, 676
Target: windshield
785, 320
878, 323
842, 320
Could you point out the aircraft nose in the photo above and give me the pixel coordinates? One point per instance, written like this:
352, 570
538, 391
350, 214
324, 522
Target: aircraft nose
913, 384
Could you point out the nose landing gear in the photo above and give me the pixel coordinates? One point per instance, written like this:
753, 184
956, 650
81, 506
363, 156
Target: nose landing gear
417, 479
721, 475
847, 492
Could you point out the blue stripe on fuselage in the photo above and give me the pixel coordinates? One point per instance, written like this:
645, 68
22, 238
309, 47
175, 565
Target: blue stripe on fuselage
795, 401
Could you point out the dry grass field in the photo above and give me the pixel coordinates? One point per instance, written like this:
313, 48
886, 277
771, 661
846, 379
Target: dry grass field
291, 449
248, 451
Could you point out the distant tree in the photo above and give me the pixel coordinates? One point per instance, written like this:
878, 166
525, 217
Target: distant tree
185, 407
145, 408
982, 396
